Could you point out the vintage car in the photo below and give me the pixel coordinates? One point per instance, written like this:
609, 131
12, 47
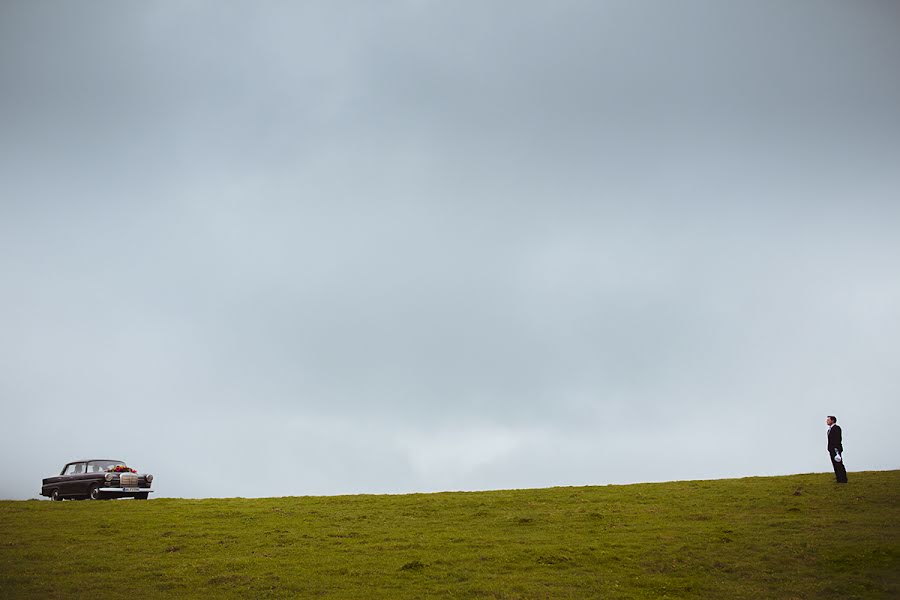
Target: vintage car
97, 479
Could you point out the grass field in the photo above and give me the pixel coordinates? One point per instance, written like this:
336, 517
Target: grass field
799, 536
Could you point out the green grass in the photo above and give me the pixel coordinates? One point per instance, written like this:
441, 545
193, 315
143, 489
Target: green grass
800, 536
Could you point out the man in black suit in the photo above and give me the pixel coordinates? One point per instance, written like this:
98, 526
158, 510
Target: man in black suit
836, 449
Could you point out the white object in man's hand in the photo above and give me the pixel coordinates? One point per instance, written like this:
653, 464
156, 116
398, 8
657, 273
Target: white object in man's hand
837, 457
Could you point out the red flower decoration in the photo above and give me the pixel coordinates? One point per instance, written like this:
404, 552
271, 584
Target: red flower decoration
121, 469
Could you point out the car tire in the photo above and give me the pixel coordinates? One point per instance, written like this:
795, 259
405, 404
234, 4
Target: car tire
54, 495
143, 496
94, 492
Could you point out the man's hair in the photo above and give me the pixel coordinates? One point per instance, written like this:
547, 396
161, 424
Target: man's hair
833, 418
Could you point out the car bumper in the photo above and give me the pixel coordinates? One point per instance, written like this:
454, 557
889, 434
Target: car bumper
119, 490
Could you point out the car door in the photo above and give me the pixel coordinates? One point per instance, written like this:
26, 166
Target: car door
82, 480
64, 481
72, 478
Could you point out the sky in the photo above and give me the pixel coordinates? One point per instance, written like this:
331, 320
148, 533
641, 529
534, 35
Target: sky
315, 248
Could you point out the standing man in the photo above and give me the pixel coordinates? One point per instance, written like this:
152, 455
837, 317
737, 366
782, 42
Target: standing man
836, 449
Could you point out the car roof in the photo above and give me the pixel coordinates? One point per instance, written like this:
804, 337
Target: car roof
93, 460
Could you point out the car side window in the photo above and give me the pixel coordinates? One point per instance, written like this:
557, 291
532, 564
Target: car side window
74, 469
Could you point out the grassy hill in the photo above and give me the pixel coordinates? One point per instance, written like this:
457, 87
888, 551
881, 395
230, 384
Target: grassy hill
800, 536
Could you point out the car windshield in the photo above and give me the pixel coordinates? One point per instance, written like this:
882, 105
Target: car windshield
101, 466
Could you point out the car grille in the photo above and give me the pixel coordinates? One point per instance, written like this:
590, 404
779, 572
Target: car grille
128, 480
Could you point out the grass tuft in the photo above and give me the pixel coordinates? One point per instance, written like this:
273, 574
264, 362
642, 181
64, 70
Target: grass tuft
414, 565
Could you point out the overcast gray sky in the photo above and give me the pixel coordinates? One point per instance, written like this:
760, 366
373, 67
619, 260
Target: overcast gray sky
285, 248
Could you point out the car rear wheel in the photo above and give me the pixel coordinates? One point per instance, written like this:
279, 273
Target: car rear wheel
94, 492
54, 495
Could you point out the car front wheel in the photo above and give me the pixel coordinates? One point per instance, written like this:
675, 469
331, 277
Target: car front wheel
54, 495
94, 492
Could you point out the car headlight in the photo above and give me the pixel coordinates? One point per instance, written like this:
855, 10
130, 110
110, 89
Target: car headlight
109, 477
149, 478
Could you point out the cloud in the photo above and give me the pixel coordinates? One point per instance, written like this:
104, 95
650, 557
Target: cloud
413, 247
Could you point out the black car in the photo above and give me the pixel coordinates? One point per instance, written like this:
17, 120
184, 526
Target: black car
97, 479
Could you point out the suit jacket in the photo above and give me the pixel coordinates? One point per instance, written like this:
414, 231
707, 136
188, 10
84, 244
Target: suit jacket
834, 439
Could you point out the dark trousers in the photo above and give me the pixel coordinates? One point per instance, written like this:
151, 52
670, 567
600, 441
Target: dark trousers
839, 470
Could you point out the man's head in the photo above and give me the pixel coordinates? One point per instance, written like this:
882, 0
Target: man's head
830, 420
